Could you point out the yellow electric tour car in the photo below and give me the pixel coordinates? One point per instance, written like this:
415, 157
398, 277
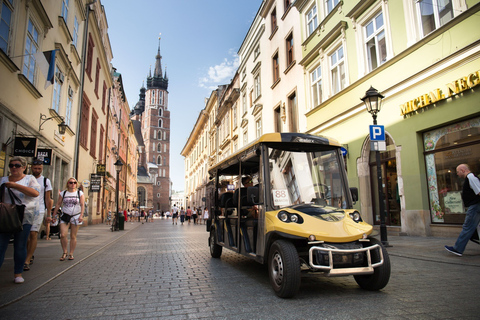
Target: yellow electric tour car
284, 200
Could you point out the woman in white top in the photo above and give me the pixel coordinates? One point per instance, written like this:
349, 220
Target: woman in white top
27, 189
72, 202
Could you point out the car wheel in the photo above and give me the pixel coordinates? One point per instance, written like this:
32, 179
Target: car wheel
284, 268
215, 249
381, 275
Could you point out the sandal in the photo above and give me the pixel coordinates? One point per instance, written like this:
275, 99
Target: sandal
64, 255
26, 267
31, 260
70, 257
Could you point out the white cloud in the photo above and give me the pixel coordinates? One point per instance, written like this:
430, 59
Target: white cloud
221, 73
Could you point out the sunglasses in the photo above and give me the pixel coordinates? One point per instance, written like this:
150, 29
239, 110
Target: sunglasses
72, 182
16, 165
37, 162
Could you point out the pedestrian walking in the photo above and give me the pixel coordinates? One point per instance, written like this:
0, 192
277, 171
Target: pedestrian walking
72, 202
194, 215
45, 205
471, 200
109, 217
27, 189
182, 215
205, 215
174, 214
189, 214
150, 215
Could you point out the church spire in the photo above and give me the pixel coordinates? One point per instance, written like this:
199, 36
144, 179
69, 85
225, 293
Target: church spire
158, 62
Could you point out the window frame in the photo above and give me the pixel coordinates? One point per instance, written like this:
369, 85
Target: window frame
11, 8
32, 46
316, 84
376, 32
336, 66
314, 20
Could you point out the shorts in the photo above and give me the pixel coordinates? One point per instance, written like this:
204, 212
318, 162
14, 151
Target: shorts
37, 223
73, 220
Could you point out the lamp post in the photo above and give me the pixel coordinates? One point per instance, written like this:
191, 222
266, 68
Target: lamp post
118, 167
373, 103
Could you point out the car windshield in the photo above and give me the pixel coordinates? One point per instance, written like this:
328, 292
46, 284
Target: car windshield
306, 178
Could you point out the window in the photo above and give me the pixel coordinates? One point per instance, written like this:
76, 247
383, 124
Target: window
276, 68
289, 46
234, 115
445, 149
159, 112
433, 14
316, 80
337, 64
258, 89
160, 98
277, 116
64, 10
256, 53
159, 135
293, 112
160, 123
287, 4
159, 160
88, 67
273, 20
93, 134
31, 47
85, 119
5, 23
68, 111
331, 4
312, 20
100, 144
97, 76
159, 148
258, 128
245, 137
75, 32
104, 95
57, 90
244, 103
375, 42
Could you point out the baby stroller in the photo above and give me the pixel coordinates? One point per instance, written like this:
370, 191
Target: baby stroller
54, 225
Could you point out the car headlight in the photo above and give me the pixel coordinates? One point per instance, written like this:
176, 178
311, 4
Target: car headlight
355, 215
288, 217
283, 216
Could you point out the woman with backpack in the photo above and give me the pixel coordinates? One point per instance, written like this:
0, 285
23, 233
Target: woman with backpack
72, 202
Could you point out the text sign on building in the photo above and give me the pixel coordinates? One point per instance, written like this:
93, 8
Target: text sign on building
45, 155
25, 147
101, 169
95, 182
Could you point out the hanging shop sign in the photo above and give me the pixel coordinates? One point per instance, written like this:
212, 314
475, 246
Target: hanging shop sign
451, 89
95, 182
24, 147
101, 169
45, 155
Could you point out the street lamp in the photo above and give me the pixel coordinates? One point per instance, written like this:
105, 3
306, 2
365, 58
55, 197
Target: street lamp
373, 102
118, 167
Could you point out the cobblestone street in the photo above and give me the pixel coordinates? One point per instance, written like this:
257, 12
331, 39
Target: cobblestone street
160, 270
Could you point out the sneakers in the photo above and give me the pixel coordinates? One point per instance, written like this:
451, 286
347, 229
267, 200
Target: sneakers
19, 280
452, 250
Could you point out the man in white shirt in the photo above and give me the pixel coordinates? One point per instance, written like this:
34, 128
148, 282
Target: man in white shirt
45, 201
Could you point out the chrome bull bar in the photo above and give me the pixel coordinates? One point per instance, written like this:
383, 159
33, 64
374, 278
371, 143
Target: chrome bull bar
331, 271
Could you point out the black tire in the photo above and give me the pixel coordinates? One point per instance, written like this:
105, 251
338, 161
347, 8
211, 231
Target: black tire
380, 277
284, 268
215, 249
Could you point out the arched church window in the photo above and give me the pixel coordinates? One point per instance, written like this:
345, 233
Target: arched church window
159, 160
159, 135
160, 123
160, 112
159, 147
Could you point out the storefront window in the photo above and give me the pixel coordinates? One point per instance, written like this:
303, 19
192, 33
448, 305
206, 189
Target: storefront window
445, 149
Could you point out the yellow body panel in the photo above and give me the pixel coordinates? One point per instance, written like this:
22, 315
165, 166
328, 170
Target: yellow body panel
345, 230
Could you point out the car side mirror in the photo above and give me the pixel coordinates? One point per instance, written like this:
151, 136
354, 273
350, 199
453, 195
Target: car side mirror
354, 193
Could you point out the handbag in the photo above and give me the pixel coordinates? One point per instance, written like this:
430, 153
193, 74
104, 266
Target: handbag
11, 214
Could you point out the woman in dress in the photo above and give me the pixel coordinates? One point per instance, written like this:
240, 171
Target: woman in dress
72, 202
27, 189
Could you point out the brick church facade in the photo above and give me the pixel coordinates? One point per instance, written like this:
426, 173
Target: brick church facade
151, 119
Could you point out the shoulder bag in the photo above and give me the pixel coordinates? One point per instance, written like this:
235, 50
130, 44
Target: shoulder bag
11, 214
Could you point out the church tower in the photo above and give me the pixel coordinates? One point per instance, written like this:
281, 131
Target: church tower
152, 111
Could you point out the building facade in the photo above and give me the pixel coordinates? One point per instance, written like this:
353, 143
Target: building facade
154, 185
423, 56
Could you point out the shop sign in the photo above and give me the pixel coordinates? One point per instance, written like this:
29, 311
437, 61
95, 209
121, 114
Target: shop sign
45, 155
101, 169
24, 147
453, 202
95, 182
451, 89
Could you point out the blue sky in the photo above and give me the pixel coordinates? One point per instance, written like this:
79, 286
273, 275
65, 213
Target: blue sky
199, 42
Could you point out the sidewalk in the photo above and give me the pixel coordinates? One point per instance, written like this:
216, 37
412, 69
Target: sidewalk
47, 265
94, 238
